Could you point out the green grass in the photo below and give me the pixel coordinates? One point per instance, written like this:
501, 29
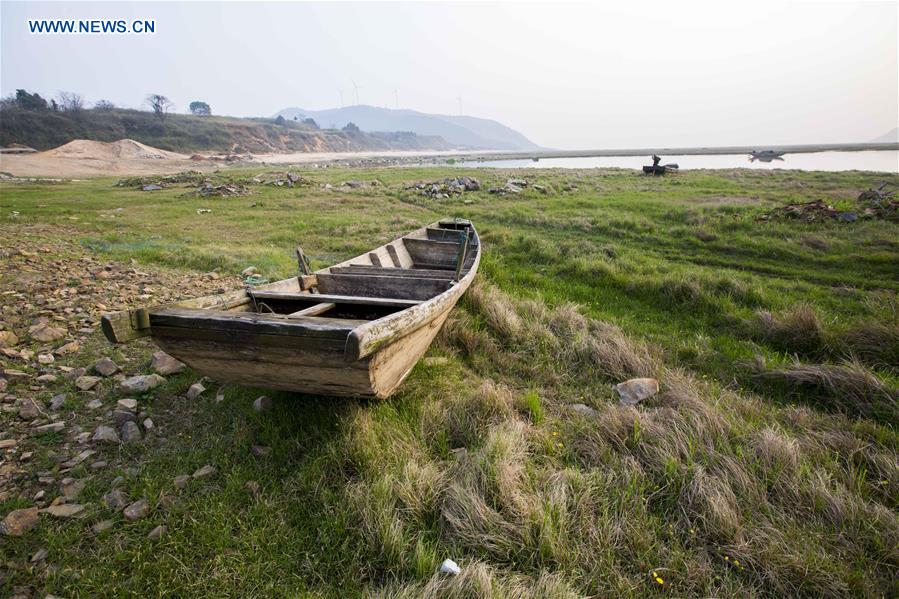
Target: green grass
766, 465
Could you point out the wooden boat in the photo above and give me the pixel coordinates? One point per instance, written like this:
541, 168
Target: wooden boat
354, 329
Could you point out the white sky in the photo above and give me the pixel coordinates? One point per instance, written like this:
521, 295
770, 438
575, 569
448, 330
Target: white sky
566, 75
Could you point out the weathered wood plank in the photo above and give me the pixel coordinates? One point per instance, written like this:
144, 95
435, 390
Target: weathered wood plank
313, 310
388, 302
415, 273
381, 286
248, 322
374, 259
432, 252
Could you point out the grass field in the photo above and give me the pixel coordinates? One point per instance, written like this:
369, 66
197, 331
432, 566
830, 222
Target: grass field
768, 465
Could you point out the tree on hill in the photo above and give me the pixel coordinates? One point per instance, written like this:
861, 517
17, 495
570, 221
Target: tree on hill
200, 108
71, 102
27, 101
279, 120
104, 105
311, 122
352, 129
160, 105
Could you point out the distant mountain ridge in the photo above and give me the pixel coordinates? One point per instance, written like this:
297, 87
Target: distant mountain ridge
458, 131
888, 137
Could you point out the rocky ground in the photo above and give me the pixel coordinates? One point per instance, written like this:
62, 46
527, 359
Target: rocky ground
70, 402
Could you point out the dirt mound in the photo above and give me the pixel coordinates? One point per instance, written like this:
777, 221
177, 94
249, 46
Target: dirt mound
127, 149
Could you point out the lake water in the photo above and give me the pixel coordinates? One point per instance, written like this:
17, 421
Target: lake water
881, 161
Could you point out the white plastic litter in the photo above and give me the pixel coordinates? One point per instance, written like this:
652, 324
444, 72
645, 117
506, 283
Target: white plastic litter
449, 567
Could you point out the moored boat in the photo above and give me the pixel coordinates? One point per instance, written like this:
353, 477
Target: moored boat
354, 329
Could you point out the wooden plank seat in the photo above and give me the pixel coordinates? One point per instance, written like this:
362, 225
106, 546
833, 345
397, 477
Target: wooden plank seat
334, 298
381, 286
416, 273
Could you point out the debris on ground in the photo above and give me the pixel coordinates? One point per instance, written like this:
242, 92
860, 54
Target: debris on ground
281, 179
439, 190
511, 186
449, 567
818, 210
877, 196
226, 190
155, 182
633, 391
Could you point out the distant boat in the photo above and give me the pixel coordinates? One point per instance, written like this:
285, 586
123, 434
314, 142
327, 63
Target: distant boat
765, 155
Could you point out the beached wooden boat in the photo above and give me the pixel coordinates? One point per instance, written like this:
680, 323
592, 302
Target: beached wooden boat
354, 329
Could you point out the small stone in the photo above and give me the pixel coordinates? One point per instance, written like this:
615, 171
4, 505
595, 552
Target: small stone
141, 383
86, 383
582, 409
102, 526
57, 401
39, 495
115, 499
78, 458
260, 451
250, 270
8, 443
131, 432
53, 427
181, 480
449, 567
219, 396
127, 404
157, 533
68, 348
99, 464
45, 359
28, 410
46, 378
206, 470
634, 391
94, 404
8, 339
263, 403
18, 522
164, 364
65, 510
117, 481
137, 510
120, 417
83, 437
106, 367
195, 391
148, 424
43, 332
39, 555
72, 489
105, 434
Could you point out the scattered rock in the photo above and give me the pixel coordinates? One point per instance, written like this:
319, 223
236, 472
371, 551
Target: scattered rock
634, 391
57, 401
71, 488
260, 451
164, 364
45, 359
53, 427
106, 367
148, 424
42, 331
120, 417
248, 271
8, 443
39, 555
115, 499
102, 526
68, 348
181, 480
131, 432
151, 187
137, 510
8, 339
94, 404
85, 382
65, 510
157, 533
206, 470
105, 434
28, 410
141, 383
582, 409
127, 404
195, 391
449, 567
263, 403
18, 522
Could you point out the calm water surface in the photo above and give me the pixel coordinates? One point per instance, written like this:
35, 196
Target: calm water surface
880, 161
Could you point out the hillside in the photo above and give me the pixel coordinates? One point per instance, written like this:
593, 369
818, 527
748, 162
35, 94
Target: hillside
459, 131
888, 137
46, 129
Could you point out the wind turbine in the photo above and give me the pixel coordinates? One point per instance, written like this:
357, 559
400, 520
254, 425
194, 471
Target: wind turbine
356, 90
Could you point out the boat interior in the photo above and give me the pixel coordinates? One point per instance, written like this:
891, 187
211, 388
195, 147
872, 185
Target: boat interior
401, 274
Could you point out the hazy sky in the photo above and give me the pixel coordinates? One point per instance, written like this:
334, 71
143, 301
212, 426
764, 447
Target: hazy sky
566, 75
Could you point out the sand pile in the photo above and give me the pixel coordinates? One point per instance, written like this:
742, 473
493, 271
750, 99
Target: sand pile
124, 149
